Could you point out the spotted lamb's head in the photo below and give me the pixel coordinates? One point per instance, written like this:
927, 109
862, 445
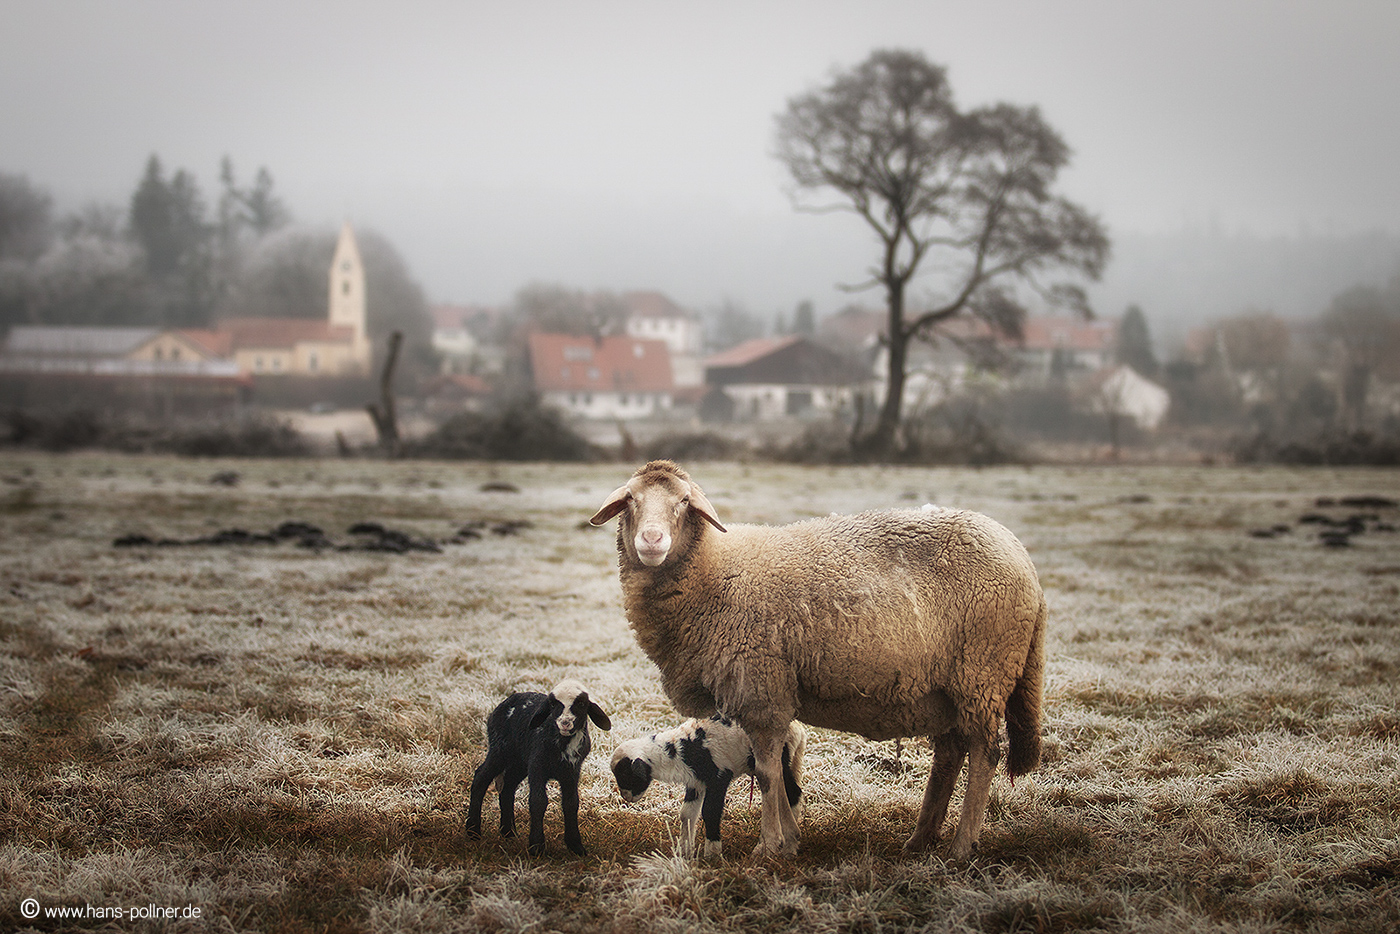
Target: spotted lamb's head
660, 509
631, 769
569, 707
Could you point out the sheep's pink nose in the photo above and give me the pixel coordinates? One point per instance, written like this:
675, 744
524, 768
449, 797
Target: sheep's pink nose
651, 536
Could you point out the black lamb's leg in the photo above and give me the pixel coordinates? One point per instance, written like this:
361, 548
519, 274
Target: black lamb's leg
539, 801
481, 781
568, 803
510, 781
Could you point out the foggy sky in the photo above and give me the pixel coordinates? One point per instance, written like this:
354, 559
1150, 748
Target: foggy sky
628, 145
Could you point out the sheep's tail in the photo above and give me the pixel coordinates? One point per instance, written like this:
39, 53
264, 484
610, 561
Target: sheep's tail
1023, 706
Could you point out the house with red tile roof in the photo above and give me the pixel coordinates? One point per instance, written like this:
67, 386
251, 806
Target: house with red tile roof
1062, 342
602, 377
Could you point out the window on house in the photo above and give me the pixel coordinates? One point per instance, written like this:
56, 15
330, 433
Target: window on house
159, 355
313, 362
174, 353
257, 364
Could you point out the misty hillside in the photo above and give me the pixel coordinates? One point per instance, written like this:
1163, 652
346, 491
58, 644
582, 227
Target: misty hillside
1188, 279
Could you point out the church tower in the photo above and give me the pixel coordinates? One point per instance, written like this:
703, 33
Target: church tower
347, 294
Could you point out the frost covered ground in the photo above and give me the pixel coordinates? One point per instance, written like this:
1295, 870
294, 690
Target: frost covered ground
282, 737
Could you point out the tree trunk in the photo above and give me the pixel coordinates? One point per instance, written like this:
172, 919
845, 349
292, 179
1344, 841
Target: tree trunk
880, 443
386, 421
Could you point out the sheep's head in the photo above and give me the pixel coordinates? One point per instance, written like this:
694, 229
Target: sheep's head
632, 770
656, 505
568, 704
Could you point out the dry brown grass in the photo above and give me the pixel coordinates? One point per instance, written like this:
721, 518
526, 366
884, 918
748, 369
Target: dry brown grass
284, 737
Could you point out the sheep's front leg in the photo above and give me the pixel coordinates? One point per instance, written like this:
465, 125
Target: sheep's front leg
539, 802
982, 757
568, 803
778, 832
949, 751
690, 810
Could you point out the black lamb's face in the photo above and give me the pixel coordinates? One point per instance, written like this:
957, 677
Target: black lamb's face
633, 777
569, 708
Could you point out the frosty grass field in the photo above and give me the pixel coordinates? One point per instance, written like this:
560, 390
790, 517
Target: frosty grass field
283, 737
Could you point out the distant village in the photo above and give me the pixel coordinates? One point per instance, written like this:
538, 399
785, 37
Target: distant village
653, 364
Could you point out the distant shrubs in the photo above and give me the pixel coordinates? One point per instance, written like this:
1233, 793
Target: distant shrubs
515, 430
1333, 449
964, 430
699, 446
248, 436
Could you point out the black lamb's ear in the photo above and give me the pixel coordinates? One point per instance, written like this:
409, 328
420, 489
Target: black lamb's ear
543, 713
596, 714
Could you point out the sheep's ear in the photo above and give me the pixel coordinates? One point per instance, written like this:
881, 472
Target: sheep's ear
616, 502
596, 714
700, 504
542, 714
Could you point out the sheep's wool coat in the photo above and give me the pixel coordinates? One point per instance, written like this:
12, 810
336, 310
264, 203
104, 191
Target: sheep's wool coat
885, 624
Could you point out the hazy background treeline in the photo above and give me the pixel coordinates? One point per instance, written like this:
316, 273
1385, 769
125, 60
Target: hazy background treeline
174, 256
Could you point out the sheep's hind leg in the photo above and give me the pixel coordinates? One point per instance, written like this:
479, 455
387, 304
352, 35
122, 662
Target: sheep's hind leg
778, 833
510, 781
485, 774
949, 751
983, 756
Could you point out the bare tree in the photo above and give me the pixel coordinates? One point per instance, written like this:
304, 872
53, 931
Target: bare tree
1365, 323
972, 189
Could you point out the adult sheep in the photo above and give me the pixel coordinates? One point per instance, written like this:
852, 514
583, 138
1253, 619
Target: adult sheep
887, 624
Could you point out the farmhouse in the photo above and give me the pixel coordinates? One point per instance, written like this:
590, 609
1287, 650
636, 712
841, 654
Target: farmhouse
602, 377
772, 377
1054, 345
653, 316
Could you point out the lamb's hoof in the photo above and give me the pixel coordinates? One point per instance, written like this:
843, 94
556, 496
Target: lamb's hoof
473, 833
577, 849
536, 849
917, 847
713, 849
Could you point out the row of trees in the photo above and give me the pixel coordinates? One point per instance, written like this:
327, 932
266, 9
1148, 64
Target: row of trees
1295, 379
169, 259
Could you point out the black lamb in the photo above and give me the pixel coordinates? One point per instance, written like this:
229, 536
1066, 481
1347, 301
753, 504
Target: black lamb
541, 737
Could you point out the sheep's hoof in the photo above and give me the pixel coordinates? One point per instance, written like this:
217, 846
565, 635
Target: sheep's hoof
962, 852
784, 848
713, 849
920, 843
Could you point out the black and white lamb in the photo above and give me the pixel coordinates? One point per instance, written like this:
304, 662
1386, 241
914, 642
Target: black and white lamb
543, 738
704, 756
